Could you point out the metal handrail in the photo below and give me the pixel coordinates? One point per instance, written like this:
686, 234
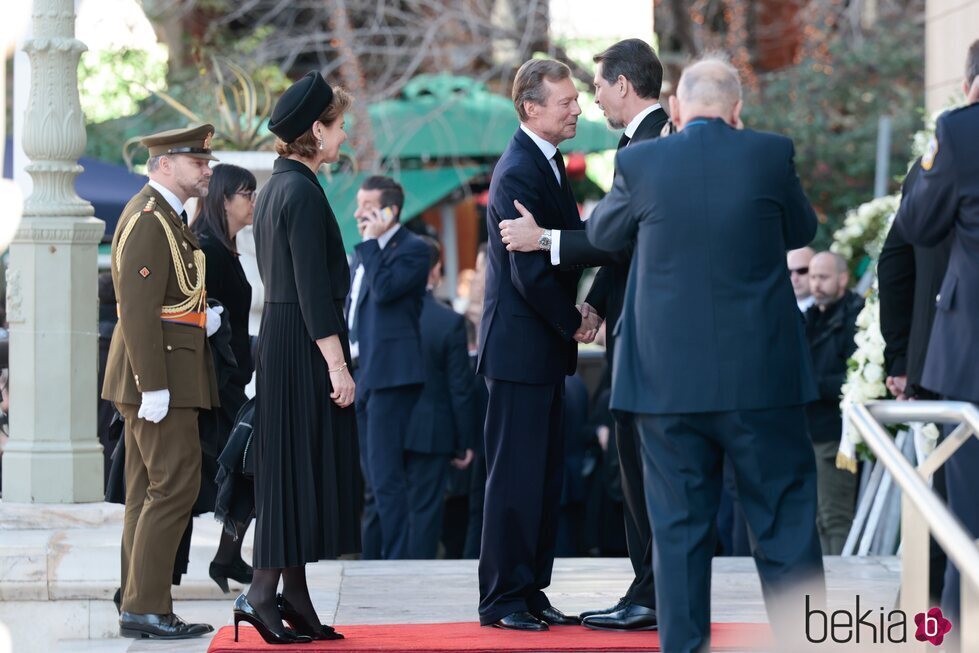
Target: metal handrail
920, 504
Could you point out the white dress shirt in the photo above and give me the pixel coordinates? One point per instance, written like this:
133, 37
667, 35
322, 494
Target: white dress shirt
549, 150
805, 304
168, 195
358, 282
629, 131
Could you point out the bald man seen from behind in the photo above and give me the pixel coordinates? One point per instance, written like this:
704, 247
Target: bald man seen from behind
711, 359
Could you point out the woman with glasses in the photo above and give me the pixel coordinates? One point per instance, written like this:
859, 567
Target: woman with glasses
223, 212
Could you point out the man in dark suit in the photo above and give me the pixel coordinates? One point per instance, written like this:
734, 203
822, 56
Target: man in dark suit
711, 358
944, 201
390, 273
526, 347
440, 432
628, 77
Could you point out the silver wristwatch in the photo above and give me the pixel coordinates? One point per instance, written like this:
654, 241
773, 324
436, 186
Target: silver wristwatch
544, 242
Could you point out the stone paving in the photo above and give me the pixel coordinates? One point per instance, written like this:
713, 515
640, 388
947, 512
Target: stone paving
59, 568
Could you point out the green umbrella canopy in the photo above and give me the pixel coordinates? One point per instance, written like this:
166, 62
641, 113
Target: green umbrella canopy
445, 116
423, 189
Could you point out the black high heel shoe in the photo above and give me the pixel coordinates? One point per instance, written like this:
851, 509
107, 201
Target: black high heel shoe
301, 625
245, 612
238, 570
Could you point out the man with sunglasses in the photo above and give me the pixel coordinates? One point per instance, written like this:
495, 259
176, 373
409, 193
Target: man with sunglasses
798, 262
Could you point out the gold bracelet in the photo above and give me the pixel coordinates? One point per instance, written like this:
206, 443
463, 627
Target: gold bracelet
336, 369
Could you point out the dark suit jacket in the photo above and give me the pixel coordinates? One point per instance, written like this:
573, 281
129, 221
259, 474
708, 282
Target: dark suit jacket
526, 334
387, 322
909, 278
608, 289
945, 200
710, 321
578, 252
444, 418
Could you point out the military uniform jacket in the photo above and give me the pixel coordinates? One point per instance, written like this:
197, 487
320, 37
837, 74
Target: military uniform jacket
146, 352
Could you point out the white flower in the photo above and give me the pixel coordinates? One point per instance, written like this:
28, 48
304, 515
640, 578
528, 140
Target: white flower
876, 356
865, 318
873, 373
930, 431
860, 356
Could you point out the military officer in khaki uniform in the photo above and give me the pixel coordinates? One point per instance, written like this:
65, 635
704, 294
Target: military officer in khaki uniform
159, 374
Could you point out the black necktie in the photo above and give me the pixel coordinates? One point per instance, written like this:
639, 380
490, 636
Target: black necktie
623, 141
559, 160
183, 216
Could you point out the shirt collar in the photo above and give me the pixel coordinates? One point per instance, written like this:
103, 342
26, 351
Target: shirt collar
548, 149
386, 237
168, 195
633, 125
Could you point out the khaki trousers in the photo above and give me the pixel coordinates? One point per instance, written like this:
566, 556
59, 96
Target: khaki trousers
163, 477
837, 493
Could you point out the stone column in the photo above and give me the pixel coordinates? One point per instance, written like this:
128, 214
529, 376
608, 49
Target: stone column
53, 455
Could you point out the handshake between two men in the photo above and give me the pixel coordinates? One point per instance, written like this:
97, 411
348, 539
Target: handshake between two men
524, 235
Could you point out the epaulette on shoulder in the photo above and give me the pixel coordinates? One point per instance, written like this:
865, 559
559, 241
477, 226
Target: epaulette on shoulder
150, 205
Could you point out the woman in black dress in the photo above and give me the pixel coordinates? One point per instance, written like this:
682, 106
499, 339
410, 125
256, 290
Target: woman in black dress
225, 210
307, 484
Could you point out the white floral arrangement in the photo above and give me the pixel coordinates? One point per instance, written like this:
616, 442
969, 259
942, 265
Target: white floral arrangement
865, 228
863, 233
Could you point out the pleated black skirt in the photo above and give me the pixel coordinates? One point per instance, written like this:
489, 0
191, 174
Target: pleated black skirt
308, 491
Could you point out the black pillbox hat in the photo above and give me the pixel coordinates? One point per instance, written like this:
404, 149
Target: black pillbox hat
300, 106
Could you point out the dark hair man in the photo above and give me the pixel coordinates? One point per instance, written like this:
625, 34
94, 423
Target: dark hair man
441, 430
389, 270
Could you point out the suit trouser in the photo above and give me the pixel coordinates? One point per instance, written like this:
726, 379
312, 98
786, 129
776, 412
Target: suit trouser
525, 469
163, 477
387, 415
638, 535
962, 485
427, 474
370, 525
683, 455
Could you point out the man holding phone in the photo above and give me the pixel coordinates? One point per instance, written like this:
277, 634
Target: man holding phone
390, 274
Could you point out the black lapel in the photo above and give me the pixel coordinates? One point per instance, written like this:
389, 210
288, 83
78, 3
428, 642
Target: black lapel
560, 193
651, 125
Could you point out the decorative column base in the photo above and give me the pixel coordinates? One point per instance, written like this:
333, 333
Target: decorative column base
53, 455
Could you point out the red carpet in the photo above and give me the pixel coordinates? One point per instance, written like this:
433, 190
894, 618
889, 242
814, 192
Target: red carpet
471, 638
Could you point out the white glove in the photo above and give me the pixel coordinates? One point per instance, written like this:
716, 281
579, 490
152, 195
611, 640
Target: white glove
155, 406
213, 320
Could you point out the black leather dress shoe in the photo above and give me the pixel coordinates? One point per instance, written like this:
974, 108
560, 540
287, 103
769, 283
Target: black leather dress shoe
238, 570
618, 606
520, 621
159, 626
555, 617
631, 617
